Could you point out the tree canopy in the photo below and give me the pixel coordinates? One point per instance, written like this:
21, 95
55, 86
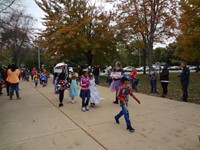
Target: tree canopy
75, 27
189, 39
146, 21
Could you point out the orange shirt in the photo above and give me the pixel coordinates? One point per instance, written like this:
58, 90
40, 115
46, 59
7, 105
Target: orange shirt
13, 77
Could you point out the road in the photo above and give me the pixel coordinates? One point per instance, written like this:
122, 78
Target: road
37, 123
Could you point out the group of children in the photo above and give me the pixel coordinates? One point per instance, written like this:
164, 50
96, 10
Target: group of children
90, 95
40, 77
88, 92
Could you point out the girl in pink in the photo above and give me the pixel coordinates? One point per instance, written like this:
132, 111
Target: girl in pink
85, 92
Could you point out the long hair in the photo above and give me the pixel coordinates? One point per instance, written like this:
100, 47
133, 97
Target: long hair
13, 67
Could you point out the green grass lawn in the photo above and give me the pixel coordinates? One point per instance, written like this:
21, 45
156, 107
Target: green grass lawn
174, 87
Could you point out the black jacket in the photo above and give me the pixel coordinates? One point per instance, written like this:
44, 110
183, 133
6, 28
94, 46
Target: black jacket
164, 75
184, 77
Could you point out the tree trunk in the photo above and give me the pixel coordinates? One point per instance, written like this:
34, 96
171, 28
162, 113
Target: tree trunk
89, 58
150, 50
144, 61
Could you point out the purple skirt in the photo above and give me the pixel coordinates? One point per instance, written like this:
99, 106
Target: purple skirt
115, 85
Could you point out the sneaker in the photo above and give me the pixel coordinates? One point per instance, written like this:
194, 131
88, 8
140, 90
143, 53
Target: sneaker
72, 101
117, 120
87, 108
116, 102
61, 104
131, 129
83, 109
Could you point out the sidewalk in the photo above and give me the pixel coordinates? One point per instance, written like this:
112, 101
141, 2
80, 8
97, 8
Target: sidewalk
36, 123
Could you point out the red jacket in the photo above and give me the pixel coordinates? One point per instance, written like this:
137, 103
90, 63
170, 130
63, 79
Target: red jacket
133, 74
123, 93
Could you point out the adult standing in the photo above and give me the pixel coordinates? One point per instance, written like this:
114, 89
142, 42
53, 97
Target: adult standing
153, 80
184, 78
134, 80
13, 79
96, 72
164, 79
116, 76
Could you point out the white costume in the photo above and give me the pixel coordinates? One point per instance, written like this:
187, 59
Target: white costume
95, 98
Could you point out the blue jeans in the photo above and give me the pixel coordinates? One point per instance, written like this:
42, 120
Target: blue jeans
14, 87
153, 86
124, 112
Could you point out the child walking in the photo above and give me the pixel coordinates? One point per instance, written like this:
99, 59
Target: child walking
95, 98
122, 96
62, 86
44, 77
85, 92
73, 90
36, 78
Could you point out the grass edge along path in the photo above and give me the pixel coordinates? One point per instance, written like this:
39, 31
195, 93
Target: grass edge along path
174, 87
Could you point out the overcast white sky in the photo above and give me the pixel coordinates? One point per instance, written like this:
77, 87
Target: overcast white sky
33, 9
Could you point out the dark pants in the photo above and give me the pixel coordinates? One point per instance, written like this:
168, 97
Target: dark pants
185, 91
14, 87
124, 112
97, 79
153, 86
36, 83
61, 95
8, 88
164, 87
85, 96
135, 84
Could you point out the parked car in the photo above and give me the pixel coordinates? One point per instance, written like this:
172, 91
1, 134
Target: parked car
192, 67
174, 68
128, 69
140, 69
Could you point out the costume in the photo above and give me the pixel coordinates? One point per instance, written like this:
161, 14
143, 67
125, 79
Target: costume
36, 78
116, 83
122, 96
62, 85
85, 92
95, 98
73, 90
